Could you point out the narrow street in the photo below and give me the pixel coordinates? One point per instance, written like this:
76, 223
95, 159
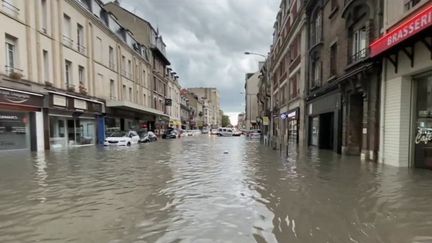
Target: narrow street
208, 189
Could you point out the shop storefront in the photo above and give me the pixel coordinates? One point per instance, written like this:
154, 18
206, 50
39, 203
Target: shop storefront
73, 121
324, 121
20, 120
293, 126
406, 91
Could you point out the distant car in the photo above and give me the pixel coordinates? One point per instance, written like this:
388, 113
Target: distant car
255, 134
225, 132
147, 137
122, 139
205, 131
237, 133
214, 132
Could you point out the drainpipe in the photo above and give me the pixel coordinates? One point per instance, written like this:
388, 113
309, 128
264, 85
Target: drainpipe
381, 149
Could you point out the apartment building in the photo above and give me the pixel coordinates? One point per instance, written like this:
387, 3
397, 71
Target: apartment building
72, 72
343, 84
212, 105
288, 74
251, 100
405, 50
160, 74
173, 100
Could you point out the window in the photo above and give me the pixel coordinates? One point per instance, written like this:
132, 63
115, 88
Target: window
99, 49
124, 92
81, 75
359, 46
44, 16
409, 4
154, 84
10, 8
11, 54
67, 30
123, 65
111, 57
316, 73
144, 81
145, 100
112, 89
316, 28
136, 97
45, 65
80, 38
333, 59
68, 73
129, 74
130, 94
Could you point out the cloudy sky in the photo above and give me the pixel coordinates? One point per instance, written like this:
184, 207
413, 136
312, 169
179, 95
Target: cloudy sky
206, 40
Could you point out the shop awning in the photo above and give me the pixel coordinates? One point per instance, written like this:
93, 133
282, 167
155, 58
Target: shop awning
418, 22
126, 105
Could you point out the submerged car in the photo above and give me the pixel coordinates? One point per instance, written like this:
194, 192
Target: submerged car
170, 134
122, 139
147, 137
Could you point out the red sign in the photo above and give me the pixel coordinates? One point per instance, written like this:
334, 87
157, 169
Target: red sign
404, 31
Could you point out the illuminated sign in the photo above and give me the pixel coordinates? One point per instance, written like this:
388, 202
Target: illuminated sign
404, 31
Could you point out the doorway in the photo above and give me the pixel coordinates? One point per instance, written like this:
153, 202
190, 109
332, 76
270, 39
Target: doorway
326, 131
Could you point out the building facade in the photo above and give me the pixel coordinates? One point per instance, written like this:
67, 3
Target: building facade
74, 72
405, 50
212, 104
251, 100
287, 72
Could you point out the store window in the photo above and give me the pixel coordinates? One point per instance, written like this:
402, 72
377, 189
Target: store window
423, 138
14, 130
68, 131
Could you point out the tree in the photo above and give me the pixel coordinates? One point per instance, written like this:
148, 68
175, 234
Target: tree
226, 121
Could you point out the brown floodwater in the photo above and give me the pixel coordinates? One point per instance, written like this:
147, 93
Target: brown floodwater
209, 189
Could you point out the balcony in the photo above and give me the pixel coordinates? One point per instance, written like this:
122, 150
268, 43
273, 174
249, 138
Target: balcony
14, 72
358, 56
67, 41
9, 8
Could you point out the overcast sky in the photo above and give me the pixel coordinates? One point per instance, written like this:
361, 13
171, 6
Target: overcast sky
206, 40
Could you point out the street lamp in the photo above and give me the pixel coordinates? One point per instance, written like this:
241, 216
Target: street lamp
254, 53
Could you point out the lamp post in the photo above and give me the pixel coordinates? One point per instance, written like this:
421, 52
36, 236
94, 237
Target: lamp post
254, 53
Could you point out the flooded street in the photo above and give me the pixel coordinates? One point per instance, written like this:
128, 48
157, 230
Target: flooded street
209, 189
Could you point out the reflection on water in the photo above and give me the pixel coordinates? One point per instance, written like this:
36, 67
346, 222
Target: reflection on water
191, 190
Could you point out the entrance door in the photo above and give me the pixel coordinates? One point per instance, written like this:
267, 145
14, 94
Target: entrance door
326, 131
423, 140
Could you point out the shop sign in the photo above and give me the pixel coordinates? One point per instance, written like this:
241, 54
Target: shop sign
266, 121
407, 29
8, 117
80, 104
283, 116
424, 135
18, 98
292, 115
59, 100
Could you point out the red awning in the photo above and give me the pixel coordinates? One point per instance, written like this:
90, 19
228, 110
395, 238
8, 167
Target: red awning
418, 22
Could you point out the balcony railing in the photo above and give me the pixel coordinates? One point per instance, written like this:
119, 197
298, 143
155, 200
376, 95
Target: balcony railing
358, 56
81, 49
14, 72
10, 8
67, 41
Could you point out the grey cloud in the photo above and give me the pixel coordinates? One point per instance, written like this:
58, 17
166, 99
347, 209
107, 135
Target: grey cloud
206, 40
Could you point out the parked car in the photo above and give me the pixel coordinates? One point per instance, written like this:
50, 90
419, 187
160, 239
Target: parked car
214, 132
205, 131
237, 133
122, 138
147, 137
170, 134
225, 132
255, 134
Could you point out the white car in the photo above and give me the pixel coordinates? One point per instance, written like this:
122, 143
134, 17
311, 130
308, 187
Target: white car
225, 132
122, 139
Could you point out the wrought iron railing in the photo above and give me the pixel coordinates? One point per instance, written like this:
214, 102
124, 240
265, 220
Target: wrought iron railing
358, 56
67, 41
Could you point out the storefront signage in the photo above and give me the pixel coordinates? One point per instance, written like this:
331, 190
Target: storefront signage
20, 98
266, 121
407, 29
80, 104
59, 100
8, 117
292, 115
424, 135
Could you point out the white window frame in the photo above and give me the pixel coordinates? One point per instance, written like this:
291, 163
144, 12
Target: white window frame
68, 74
